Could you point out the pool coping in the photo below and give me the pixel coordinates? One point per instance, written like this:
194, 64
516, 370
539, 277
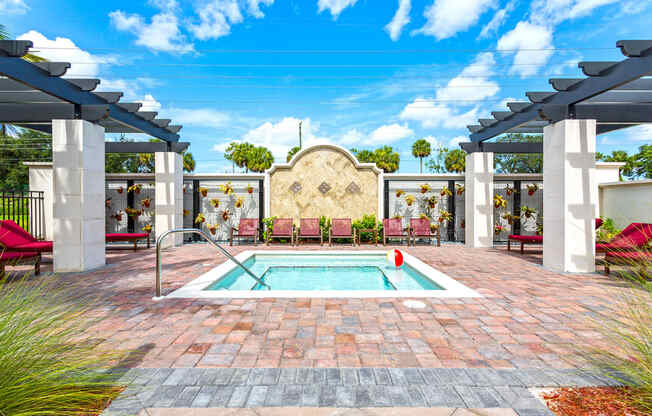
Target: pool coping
195, 289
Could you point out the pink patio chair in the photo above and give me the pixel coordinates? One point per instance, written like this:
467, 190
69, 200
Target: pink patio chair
248, 228
420, 228
536, 239
393, 228
309, 228
281, 228
627, 258
635, 236
14, 238
15, 258
341, 228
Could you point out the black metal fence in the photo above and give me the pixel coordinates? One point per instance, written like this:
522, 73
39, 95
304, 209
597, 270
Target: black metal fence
25, 208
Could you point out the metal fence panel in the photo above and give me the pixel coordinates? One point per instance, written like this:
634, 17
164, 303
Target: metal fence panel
26, 209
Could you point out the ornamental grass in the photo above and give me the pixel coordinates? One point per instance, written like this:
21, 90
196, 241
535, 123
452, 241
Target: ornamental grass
48, 366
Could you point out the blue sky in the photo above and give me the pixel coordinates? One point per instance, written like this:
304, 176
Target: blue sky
359, 73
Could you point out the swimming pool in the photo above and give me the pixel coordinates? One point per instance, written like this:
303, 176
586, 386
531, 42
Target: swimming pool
323, 274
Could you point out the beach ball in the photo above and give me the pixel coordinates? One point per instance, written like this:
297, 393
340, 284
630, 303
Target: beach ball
395, 258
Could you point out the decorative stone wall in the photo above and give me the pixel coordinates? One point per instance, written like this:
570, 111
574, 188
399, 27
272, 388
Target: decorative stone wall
324, 180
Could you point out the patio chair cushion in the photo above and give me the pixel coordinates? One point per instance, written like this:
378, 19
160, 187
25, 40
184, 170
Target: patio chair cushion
13, 235
40, 246
125, 236
248, 227
341, 227
393, 227
309, 227
282, 227
635, 235
598, 223
420, 226
533, 239
9, 256
628, 257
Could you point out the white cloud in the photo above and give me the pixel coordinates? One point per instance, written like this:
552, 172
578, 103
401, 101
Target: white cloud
497, 21
553, 12
254, 7
432, 115
216, 18
352, 137
86, 65
532, 46
455, 141
280, 137
435, 143
445, 18
13, 7
401, 18
335, 6
389, 133
161, 34
641, 133
149, 103
472, 84
203, 117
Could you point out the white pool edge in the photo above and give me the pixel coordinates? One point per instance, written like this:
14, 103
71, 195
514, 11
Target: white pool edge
195, 288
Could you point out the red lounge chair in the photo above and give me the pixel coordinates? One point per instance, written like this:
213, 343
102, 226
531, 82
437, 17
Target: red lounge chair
341, 228
282, 228
536, 239
14, 258
248, 228
635, 235
629, 258
393, 228
309, 228
135, 237
14, 238
420, 228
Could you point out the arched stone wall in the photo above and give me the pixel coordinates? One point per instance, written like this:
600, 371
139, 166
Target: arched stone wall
323, 180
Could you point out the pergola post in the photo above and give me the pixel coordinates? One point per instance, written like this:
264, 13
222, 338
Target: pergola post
79, 195
478, 200
570, 196
168, 168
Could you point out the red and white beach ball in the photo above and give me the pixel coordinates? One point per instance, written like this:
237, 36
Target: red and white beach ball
395, 258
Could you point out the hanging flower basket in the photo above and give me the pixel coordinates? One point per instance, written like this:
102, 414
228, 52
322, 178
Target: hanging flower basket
133, 212
186, 212
423, 217
108, 202
432, 202
425, 188
117, 216
459, 189
200, 219
120, 190
250, 189
226, 215
527, 212
213, 228
203, 191
227, 188
215, 202
539, 229
509, 190
409, 200
445, 191
463, 223
239, 202
498, 229
434, 227
511, 218
147, 228
444, 216
135, 188
397, 217
500, 202
399, 192
531, 189
146, 202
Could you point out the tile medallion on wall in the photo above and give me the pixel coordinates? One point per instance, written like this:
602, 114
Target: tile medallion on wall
353, 188
295, 187
324, 187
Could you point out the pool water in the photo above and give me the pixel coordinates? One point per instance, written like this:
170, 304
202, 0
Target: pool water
323, 273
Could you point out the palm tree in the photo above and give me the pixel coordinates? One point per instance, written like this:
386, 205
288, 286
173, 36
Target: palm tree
188, 162
363, 156
421, 149
387, 159
259, 159
456, 161
237, 153
292, 152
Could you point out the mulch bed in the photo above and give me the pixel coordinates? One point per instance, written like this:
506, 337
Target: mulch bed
592, 401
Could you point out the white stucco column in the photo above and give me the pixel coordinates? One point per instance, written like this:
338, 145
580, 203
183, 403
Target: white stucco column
78, 195
168, 168
570, 196
478, 200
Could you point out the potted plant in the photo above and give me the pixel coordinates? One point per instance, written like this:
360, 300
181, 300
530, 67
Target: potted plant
213, 228
186, 212
227, 188
532, 188
444, 216
239, 202
135, 188
203, 191
445, 191
498, 229
147, 228
108, 202
509, 190
146, 202
250, 189
432, 202
500, 202
226, 215
539, 229
399, 192
527, 212
397, 217
463, 223
215, 202
120, 190
117, 216
511, 218
424, 217
434, 227
409, 200
133, 212
459, 189
200, 219
425, 188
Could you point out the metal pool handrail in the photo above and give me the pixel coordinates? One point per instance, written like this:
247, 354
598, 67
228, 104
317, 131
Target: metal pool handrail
207, 238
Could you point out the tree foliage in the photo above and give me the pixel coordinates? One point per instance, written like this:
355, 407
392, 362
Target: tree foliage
140, 162
421, 149
292, 152
519, 163
384, 157
251, 158
27, 145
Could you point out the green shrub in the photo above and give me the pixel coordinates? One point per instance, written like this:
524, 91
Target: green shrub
607, 230
268, 226
47, 364
325, 224
368, 222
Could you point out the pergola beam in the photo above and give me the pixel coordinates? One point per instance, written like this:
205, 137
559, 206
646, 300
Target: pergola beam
502, 147
145, 147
